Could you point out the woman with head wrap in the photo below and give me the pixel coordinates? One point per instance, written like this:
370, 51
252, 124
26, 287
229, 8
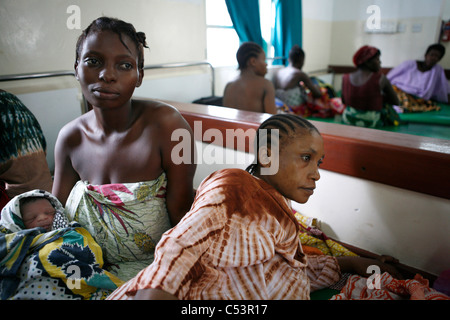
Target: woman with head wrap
366, 91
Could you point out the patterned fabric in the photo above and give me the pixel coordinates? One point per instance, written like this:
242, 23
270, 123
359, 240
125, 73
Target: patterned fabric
64, 263
300, 101
388, 288
21, 133
311, 236
23, 163
127, 220
410, 103
360, 118
239, 241
294, 97
371, 119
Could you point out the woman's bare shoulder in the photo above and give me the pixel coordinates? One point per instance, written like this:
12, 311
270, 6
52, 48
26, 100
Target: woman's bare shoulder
77, 125
155, 107
160, 112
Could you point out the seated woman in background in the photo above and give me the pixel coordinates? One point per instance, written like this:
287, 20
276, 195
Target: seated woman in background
23, 162
114, 171
367, 92
303, 95
419, 83
250, 91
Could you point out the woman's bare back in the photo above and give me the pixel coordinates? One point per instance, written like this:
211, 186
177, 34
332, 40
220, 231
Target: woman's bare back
251, 94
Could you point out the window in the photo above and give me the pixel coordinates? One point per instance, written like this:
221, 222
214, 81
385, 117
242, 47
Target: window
222, 41
267, 16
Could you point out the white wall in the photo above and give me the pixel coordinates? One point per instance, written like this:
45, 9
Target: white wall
349, 34
31, 27
317, 32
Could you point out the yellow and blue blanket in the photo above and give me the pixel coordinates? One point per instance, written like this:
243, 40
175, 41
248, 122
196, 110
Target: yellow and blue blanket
65, 263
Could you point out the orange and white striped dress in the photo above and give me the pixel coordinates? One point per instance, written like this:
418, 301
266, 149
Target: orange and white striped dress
239, 241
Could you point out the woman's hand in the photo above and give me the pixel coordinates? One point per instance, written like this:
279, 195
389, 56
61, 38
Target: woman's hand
359, 265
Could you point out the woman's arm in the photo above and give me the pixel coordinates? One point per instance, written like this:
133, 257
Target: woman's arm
269, 98
359, 265
179, 167
389, 94
65, 176
315, 90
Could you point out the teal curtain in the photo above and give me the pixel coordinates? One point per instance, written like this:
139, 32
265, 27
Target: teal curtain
246, 21
287, 30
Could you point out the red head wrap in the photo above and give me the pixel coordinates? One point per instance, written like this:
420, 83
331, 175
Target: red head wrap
364, 54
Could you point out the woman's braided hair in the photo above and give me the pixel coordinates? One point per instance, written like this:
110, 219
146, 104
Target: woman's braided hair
286, 124
117, 26
246, 51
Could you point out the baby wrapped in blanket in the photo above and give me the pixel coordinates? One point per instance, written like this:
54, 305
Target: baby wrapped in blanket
48, 257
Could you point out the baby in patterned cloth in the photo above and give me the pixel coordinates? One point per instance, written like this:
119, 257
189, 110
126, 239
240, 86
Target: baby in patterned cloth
32, 209
39, 212
43, 256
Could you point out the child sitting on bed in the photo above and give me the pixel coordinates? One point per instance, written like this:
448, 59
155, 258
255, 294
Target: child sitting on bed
114, 170
367, 93
250, 91
240, 239
44, 257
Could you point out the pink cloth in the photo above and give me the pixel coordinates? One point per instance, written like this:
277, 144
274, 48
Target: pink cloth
427, 85
239, 241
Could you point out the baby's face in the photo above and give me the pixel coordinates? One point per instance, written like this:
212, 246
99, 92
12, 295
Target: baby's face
39, 213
